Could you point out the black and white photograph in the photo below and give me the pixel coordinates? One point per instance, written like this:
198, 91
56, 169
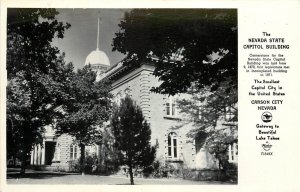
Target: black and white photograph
146, 96
122, 96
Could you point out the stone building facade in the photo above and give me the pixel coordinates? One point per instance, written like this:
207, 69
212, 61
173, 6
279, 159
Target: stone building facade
168, 127
167, 124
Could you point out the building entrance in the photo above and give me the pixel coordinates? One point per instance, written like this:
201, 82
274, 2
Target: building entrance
49, 152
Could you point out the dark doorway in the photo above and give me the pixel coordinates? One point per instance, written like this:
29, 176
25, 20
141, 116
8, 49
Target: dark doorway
49, 152
200, 140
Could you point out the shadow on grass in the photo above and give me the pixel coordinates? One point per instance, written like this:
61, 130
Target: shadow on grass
36, 175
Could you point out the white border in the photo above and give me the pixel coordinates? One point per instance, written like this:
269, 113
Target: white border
256, 173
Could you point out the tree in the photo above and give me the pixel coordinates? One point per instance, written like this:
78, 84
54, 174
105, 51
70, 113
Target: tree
86, 111
132, 136
191, 46
36, 74
194, 52
214, 114
109, 159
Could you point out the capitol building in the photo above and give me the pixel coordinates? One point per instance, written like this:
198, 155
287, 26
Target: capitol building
168, 127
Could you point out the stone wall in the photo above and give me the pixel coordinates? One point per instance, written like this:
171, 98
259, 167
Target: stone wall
139, 81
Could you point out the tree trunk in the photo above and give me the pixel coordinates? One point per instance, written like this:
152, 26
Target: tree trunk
131, 174
23, 167
23, 164
82, 158
15, 159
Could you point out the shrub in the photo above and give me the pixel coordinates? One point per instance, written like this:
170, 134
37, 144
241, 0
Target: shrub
148, 171
166, 169
232, 173
74, 166
91, 165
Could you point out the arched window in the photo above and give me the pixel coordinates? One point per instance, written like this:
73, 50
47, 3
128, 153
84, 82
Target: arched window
233, 152
171, 106
57, 153
229, 113
118, 98
172, 145
127, 92
74, 152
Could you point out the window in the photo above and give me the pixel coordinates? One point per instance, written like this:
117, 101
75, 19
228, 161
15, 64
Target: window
172, 146
171, 106
229, 113
233, 152
127, 92
74, 152
57, 153
118, 98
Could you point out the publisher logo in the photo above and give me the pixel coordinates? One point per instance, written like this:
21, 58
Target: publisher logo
266, 146
266, 117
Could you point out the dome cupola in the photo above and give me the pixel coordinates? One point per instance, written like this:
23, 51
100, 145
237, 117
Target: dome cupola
97, 57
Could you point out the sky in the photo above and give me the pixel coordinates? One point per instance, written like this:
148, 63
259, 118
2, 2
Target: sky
81, 38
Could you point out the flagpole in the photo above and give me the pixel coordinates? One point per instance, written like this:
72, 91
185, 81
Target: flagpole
98, 34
